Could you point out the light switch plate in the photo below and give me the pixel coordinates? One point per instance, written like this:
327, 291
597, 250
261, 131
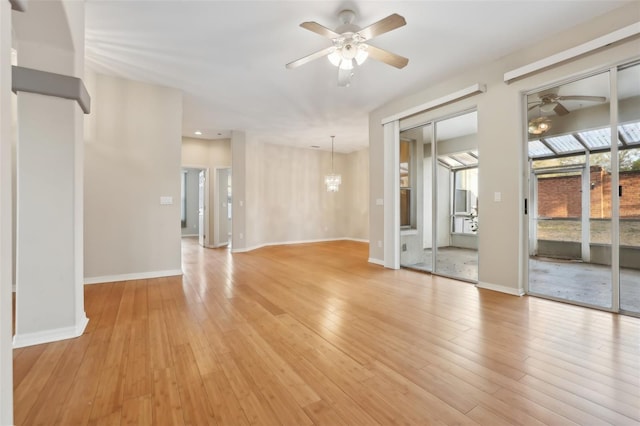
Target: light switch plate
497, 197
166, 200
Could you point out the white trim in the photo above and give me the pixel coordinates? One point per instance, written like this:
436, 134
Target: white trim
190, 235
501, 288
286, 243
451, 97
574, 52
392, 195
358, 240
14, 288
48, 336
376, 261
134, 276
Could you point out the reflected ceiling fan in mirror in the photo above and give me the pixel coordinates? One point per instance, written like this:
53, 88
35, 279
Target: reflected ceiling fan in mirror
550, 102
350, 47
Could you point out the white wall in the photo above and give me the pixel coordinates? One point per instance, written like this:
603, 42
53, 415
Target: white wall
356, 185
500, 139
132, 158
207, 154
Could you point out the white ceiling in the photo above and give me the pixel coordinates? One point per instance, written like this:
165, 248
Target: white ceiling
229, 57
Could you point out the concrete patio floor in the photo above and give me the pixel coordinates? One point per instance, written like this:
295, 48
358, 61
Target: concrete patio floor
575, 281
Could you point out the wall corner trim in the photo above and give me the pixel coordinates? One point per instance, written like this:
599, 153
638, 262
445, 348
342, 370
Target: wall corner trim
130, 277
18, 5
50, 84
501, 288
574, 52
451, 97
48, 336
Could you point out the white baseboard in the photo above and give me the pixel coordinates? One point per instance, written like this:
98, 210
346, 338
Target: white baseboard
48, 336
501, 288
376, 261
357, 240
134, 276
285, 243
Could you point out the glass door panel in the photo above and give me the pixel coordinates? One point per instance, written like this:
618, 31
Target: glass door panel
456, 195
415, 193
570, 196
629, 182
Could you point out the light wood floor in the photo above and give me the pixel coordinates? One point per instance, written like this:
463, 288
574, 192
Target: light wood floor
313, 334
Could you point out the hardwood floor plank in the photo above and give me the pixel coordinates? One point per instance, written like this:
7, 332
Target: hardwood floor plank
193, 394
51, 399
167, 406
28, 391
137, 412
313, 334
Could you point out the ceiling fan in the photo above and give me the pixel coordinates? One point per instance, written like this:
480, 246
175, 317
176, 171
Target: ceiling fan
550, 102
349, 44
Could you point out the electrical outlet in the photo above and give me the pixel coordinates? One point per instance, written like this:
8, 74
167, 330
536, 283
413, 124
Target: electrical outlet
380, 244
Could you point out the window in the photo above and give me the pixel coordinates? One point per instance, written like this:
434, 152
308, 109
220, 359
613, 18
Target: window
465, 201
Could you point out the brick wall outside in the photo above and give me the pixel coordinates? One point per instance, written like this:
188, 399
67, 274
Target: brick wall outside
560, 196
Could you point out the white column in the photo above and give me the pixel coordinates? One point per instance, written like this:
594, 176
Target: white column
49, 259
6, 360
238, 180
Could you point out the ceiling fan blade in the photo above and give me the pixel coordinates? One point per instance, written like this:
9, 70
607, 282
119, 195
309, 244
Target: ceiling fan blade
560, 109
535, 105
385, 25
309, 58
387, 57
583, 98
319, 29
344, 77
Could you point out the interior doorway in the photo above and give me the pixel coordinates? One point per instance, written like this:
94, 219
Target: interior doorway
194, 203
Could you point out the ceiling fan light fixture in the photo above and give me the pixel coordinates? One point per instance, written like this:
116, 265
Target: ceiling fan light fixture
362, 54
335, 57
346, 64
548, 107
539, 125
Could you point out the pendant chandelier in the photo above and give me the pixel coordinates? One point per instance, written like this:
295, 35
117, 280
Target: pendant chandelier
332, 180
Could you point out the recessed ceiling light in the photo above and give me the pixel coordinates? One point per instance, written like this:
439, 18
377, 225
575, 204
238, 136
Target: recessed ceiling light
198, 132
219, 134
315, 146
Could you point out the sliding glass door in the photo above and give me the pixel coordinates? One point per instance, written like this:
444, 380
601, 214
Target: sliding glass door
439, 197
584, 211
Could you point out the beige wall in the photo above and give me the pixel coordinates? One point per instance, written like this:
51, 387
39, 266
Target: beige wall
285, 199
356, 185
500, 140
207, 154
132, 158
